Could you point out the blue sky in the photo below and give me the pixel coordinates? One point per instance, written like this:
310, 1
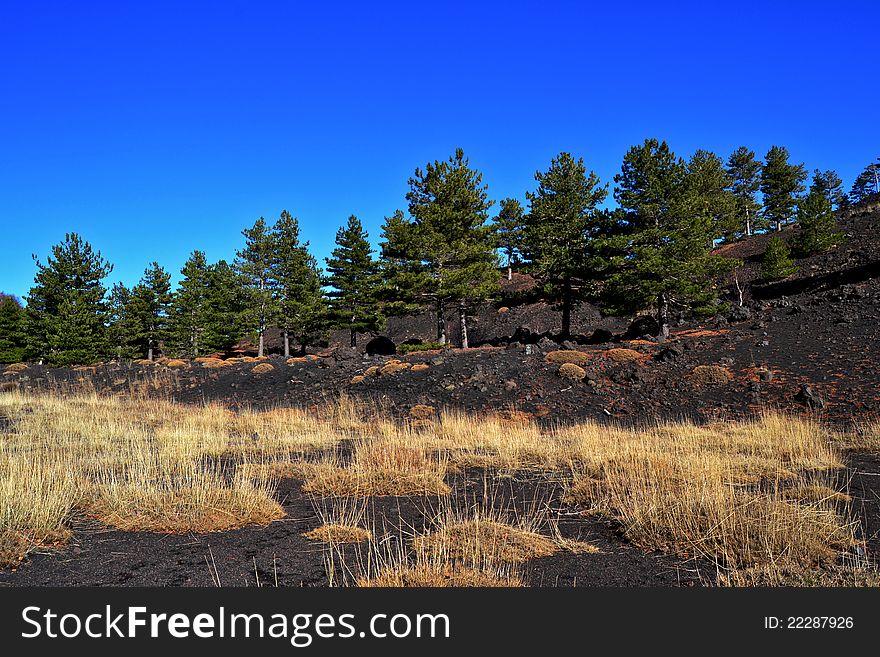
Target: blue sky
155, 128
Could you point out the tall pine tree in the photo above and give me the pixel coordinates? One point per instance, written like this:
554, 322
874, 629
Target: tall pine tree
744, 173
255, 265
190, 312
449, 206
403, 275
781, 184
150, 303
662, 257
353, 277
509, 227
829, 184
66, 308
561, 228
301, 303
123, 327
708, 183
13, 332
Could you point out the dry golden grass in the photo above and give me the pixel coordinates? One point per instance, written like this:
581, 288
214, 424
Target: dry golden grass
479, 538
378, 467
373, 370
623, 355
140, 464
572, 372
713, 375
422, 412
263, 368
334, 533
16, 367
357, 379
438, 576
393, 367
567, 356
716, 491
420, 367
813, 492
759, 494
213, 363
175, 362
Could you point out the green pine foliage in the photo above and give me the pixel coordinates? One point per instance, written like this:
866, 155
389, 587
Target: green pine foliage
13, 331
255, 263
866, 184
302, 308
829, 184
781, 184
228, 307
150, 304
744, 174
661, 256
449, 205
403, 275
66, 309
562, 229
818, 225
777, 263
709, 186
188, 318
353, 278
123, 327
509, 227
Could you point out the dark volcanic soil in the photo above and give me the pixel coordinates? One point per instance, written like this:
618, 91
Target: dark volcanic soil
278, 553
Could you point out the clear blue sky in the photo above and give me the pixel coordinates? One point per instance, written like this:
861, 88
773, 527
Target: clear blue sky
155, 128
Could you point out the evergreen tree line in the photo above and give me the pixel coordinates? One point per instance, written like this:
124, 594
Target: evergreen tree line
653, 251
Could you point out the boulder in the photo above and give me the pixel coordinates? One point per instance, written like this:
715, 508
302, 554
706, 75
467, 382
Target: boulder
381, 346
642, 325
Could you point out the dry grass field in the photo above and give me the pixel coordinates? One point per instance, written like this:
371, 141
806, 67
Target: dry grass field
765, 501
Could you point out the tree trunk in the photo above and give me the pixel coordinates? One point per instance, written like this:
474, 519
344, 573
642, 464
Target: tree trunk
462, 317
748, 223
150, 353
260, 348
286, 344
566, 309
663, 317
353, 337
509, 272
441, 323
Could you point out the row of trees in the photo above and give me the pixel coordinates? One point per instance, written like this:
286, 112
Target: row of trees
654, 250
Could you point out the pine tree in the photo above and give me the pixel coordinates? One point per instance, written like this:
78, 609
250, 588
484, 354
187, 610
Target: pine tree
560, 229
229, 306
353, 277
866, 184
449, 206
123, 328
150, 301
13, 333
745, 181
818, 225
777, 263
255, 264
781, 183
829, 184
662, 253
403, 275
709, 183
302, 308
188, 317
66, 308
509, 226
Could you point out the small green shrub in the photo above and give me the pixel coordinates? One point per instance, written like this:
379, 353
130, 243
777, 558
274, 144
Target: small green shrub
777, 263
